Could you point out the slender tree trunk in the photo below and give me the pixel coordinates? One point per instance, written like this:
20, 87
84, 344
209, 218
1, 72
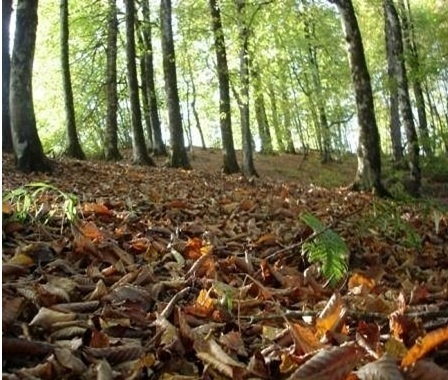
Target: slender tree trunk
179, 158
275, 120
415, 73
74, 148
145, 99
230, 163
287, 125
158, 146
193, 106
6, 70
28, 150
111, 151
368, 175
139, 152
248, 161
260, 115
403, 98
394, 122
317, 92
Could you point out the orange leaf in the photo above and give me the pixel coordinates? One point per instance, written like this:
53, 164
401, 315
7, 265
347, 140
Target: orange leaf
193, 248
358, 280
90, 230
331, 315
247, 204
7, 208
424, 345
95, 208
266, 240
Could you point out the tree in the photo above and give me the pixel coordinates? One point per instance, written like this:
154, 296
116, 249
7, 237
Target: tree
230, 163
148, 83
6, 69
403, 96
139, 152
74, 148
179, 158
243, 100
28, 150
414, 68
111, 151
368, 174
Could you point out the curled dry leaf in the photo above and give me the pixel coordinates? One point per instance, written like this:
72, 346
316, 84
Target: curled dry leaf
47, 317
385, 367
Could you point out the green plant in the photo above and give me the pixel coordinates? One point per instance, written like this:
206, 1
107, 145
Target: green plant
326, 248
38, 200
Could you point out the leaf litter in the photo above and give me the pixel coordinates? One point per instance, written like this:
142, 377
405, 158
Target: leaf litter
190, 274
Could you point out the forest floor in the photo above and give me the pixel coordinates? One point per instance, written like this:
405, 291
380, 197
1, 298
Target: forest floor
164, 273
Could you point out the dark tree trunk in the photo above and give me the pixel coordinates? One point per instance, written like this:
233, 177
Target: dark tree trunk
414, 68
158, 146
368, 175
140, 154
73, 146
230, 163
179, 158
248, 161
111, 144
27, 146
260, 115
6, 69
145, 99
403, 97
394, 122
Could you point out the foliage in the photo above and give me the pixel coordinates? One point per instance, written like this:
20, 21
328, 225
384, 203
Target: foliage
326, 248
41, 201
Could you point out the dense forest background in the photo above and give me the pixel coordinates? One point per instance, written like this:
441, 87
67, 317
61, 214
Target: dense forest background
286, 66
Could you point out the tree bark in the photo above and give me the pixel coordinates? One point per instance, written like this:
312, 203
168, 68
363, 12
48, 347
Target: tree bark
368, 175
28, 150
260, 115
111, 141
139, 152
179, 158
73, 146
404, 102
230, 163
275, 120
394, 121
158, 146
6, 70
248, 160
414, 68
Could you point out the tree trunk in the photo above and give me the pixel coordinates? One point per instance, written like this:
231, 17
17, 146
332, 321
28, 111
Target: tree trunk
145, 97
158, 146
260, 114
111, 139
394, 122
403, 97
275, 120
139, 152
368, 175
179, 158
28, 150
6, 70
248, 161
193, 106
230, 163
74, 148
414, 69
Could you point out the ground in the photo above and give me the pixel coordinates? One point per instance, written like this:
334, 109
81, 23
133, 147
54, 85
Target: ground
167, 272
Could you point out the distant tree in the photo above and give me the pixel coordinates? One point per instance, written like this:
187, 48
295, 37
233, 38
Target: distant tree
230, 163
6, 70
111, 151
28, 150
404, 101
260, 113
368, 175
148, 83
74, 148
139, 152
179, 158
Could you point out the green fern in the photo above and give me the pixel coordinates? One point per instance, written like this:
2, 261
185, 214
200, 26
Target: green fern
326, 248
